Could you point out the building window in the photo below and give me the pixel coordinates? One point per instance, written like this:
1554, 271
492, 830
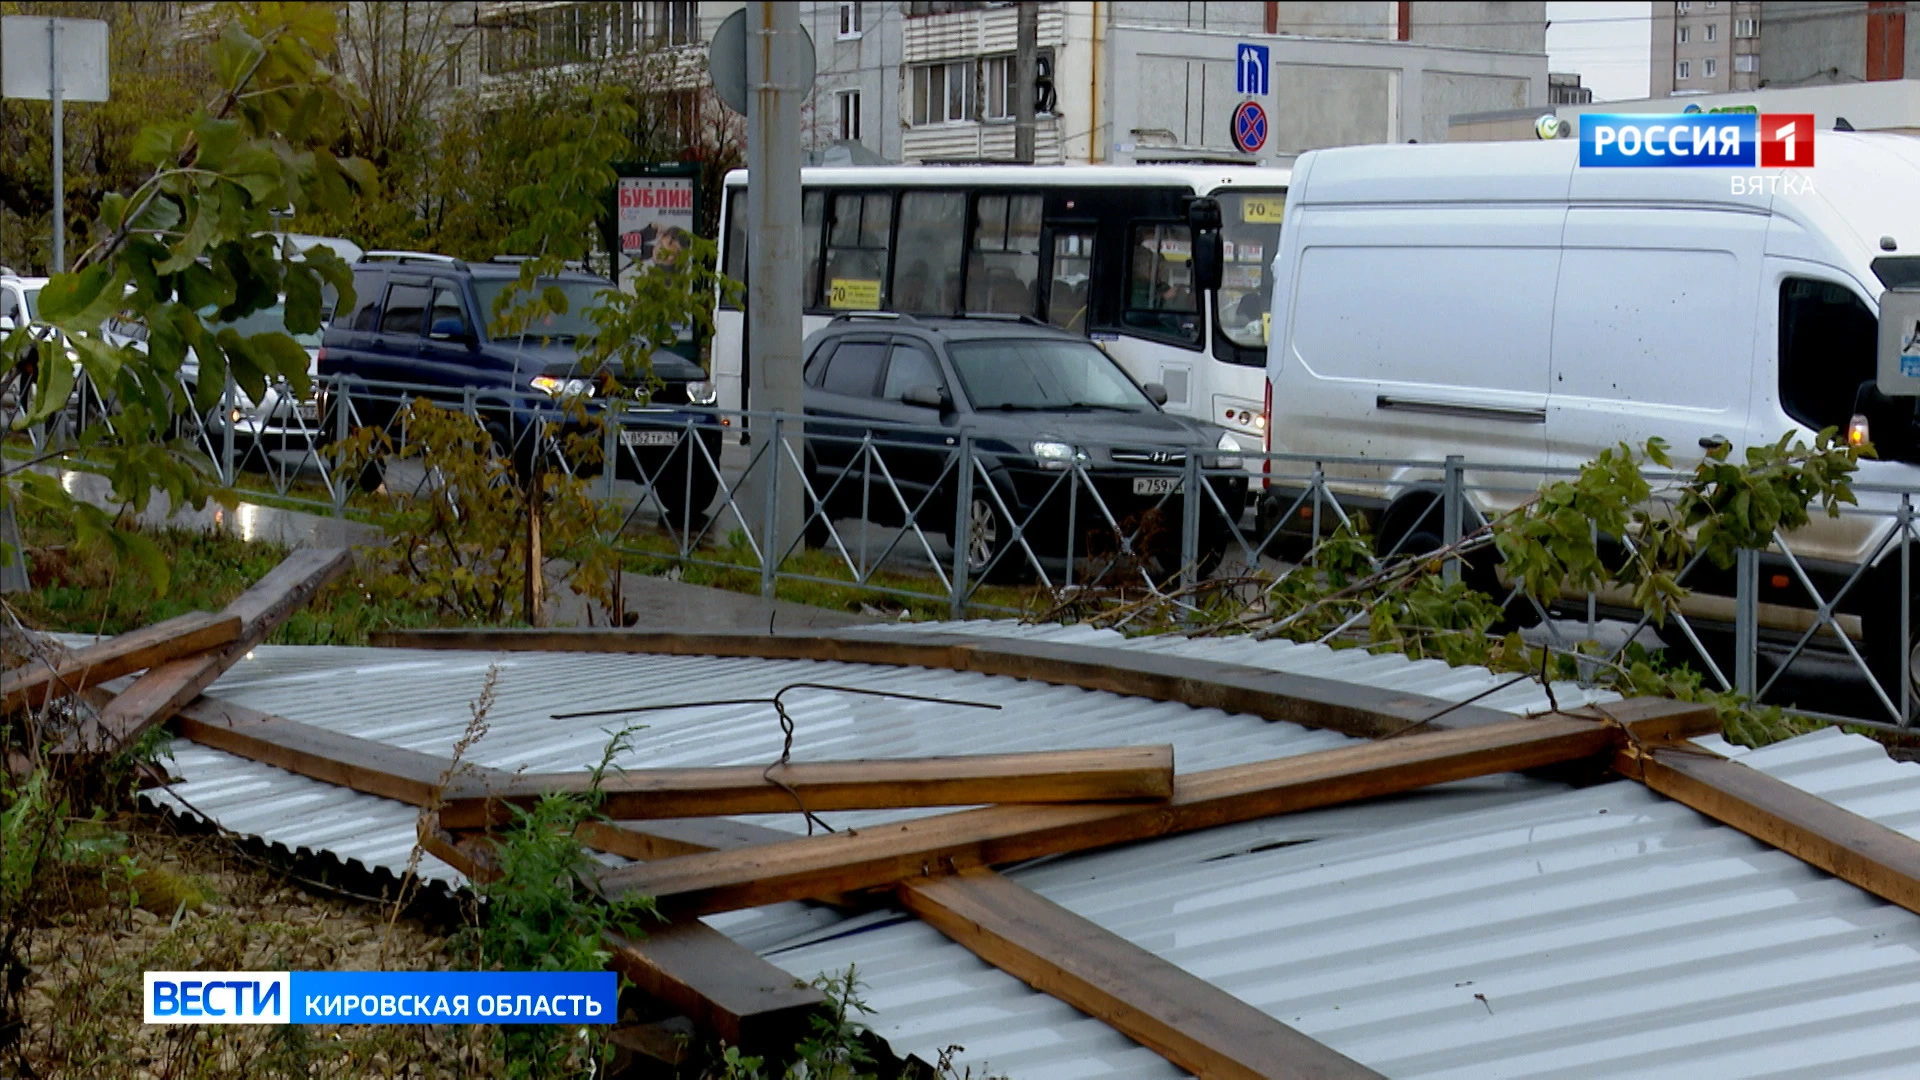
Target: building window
999, 88
1746, 28
942, 92
1682, 6
675, 22
848, 102
1746, 63
1683, 35
1683, 70
1713, 31
942, 7
850, 26
1709, 67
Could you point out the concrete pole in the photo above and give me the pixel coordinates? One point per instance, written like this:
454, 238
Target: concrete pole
774, 59
59, 149
1026, 46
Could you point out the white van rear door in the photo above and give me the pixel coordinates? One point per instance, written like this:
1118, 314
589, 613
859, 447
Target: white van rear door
1653, 328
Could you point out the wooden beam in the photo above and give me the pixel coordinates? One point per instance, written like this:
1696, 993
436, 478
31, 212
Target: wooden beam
1364, 711
1120, 774
715, 981
1844, 844
1187, 1020
156, 696
947, 843
39, 684
363, 765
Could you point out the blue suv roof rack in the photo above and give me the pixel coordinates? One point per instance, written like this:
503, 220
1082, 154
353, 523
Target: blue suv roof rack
413, 257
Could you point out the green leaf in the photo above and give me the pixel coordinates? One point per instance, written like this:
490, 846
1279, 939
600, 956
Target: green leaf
285, 358
69, 295
235, 54
303, 299
54, 384
200, 231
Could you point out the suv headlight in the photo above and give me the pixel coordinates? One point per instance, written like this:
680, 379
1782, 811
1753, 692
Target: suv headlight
1229, 448
1056, 455
702, 392
554, 386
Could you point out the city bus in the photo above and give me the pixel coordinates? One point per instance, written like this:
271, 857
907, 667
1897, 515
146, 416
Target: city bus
1096, 249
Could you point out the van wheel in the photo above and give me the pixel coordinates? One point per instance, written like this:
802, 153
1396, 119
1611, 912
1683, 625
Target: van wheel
1891, 658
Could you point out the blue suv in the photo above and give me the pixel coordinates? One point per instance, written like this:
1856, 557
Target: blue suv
421, 322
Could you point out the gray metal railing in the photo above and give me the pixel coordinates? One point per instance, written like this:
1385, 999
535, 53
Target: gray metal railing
945, 515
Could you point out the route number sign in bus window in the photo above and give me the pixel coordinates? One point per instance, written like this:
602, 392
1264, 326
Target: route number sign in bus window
855, 293
1262, 209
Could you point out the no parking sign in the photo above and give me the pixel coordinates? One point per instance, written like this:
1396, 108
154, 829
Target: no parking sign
1249, 127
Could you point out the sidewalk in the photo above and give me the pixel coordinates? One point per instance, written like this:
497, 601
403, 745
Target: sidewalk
659, 603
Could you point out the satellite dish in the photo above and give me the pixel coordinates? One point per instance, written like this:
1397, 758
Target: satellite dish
727, 61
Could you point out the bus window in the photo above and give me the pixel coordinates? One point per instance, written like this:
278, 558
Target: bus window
736, 255
813, 208
1005, 268
1072, 275
1160, 297
1250, 237
933, 230
857, 250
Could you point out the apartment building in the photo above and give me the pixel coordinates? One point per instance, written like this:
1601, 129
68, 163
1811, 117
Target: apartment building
1705, 47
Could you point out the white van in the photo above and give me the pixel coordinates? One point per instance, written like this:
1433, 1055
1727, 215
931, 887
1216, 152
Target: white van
1498, 302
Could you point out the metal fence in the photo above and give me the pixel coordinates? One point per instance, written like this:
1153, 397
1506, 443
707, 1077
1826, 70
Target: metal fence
943, 514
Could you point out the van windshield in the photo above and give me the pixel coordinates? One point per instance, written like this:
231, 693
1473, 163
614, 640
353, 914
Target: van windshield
571, 325
1829, 342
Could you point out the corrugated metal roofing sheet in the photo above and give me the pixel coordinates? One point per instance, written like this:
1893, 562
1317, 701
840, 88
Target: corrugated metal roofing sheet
1591, 933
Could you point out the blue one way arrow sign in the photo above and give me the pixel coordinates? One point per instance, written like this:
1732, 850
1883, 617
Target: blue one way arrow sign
1250, 70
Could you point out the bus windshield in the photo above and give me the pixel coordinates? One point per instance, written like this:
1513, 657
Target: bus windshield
1250, 235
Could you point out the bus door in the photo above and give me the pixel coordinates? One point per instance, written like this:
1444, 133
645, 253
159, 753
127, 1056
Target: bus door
1069, 273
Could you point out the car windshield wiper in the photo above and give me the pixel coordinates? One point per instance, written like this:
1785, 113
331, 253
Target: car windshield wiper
1091, 406
1012, 406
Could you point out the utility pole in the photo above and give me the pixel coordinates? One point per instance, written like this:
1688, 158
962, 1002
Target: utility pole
59, 150
775, 85
1026, 45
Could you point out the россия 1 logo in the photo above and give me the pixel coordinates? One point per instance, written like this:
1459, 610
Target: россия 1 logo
1697, 140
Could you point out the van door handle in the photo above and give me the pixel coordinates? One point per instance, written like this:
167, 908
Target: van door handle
1508, 413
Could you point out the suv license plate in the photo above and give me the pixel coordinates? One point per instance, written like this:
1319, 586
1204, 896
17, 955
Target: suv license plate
308, 410
1156, 485
649, 438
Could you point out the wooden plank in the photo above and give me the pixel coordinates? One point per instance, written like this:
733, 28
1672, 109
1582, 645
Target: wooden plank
1365, 711
39, 684
1840, 842
363, 765
1120, 774
720, 984
164, 690
1187, 1020
947, 843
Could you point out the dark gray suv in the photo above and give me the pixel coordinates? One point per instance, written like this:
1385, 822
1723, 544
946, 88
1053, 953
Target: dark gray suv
1036, 402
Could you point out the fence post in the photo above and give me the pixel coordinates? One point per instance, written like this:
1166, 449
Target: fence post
1451, 515
610, 451
770, 527
1906, 610
342, 431
1190, 482
1746, 621
962, 524
226, 428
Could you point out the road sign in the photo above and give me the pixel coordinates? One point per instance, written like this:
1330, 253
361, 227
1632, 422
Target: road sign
1250, 71
26, 60
727, 61
1250, 127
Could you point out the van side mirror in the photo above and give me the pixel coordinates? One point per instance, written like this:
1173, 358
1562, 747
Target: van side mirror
6, 324
1203, 221
927, 397
1156, 392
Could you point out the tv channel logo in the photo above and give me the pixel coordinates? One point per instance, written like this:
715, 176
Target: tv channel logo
381, 997
1697, 140
219, 997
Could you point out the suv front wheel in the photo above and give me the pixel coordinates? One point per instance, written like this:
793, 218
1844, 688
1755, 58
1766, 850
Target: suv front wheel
992, 554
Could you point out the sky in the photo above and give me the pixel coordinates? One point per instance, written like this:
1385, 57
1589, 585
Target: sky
1608, 44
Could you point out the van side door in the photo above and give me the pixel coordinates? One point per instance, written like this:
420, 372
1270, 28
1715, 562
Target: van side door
1653, 329
1417, 332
